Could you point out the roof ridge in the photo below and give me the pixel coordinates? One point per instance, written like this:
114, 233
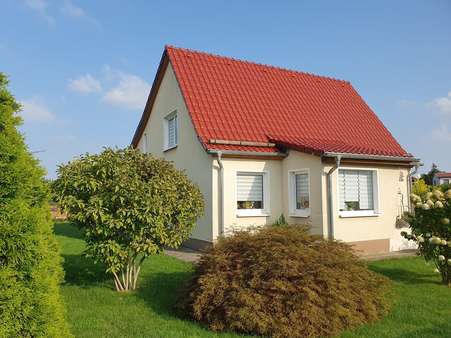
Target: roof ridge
257, 64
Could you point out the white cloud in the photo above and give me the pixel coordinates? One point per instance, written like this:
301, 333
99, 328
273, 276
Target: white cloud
34, 110
85, 84
443, 104
40, 7
69, 9
442, 133
131, 91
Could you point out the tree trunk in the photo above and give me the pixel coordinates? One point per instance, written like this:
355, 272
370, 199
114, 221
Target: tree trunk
446, 275
126, 279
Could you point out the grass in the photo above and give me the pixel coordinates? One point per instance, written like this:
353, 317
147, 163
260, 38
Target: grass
422, 307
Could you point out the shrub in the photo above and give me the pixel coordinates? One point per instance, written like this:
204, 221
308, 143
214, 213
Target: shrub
283, 282
129, 205
281, 221
420, 188
30, 265
431, 229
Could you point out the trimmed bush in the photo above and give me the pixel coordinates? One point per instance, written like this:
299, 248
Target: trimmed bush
30, 265
283, 282
129, 206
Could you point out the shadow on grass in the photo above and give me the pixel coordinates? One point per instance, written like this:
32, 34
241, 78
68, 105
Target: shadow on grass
66, 229
161, 291
441, 330
406, 276
83, 272
79, 270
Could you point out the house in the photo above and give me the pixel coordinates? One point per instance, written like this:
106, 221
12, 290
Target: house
262, 141
441, 178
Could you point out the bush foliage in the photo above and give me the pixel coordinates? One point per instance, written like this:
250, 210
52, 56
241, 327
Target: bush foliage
283, 282
431, 229
30, 265
129, 205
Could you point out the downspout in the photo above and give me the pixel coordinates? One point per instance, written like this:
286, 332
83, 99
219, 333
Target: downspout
409, 184
330, 210
221, 193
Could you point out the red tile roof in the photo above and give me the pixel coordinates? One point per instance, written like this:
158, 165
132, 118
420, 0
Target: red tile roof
235, 100
443, 175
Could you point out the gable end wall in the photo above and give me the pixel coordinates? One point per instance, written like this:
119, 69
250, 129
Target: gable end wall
189, 154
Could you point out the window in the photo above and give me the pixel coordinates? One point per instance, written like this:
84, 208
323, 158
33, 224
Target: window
357, 192
299, 190
445, 181
252, 194
171, 131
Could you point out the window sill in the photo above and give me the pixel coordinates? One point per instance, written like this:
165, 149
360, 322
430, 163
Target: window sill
252, 213
350, 214
169, 148
300, 213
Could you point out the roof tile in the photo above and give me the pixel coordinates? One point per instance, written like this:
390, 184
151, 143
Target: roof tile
243, 101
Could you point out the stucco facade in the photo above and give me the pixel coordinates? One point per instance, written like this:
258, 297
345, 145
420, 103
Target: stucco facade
374, 233
189, 154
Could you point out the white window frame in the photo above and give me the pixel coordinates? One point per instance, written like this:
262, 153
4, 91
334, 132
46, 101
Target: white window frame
293, 212
265, 212
167, 118
361, 213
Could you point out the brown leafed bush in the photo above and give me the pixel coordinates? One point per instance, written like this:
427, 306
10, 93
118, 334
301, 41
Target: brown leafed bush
283, 282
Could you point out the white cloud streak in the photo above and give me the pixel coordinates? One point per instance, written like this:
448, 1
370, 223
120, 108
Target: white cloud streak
34, 110
85, 84
41, 8
69, 9
130, 92
443, 103
443, 133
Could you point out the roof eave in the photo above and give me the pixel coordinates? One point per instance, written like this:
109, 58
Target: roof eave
407, 159
245, 153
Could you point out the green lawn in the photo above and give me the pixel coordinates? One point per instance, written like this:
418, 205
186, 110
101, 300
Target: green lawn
422, 307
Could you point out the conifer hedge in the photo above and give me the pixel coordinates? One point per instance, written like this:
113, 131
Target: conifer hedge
30, 264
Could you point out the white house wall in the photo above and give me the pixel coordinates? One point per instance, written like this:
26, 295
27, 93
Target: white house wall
392, 193
189, 154
202, 169
299, 161
231, 166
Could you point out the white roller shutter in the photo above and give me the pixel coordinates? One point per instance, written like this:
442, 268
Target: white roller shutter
356, 186
250, 187
302, 189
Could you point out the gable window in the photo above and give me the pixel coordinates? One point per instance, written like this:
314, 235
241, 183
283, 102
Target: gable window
171, 131
299, 190
357, 192
252, 198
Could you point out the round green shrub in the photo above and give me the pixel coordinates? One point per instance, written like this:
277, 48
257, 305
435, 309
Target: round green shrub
283, 282
129, 206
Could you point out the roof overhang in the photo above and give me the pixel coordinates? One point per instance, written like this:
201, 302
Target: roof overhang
248, 154
349, 158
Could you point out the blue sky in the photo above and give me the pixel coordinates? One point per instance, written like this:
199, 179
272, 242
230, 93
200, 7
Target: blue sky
83, 69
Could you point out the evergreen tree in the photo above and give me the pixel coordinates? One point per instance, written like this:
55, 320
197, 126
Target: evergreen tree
429, 177
30, 264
